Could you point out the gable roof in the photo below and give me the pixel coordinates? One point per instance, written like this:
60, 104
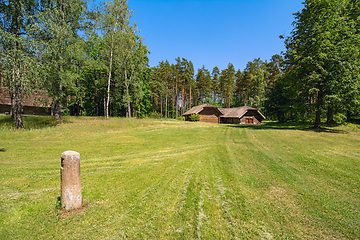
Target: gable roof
36, 99
199, 108
238, 112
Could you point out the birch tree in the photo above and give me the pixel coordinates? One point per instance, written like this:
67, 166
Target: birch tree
17, 51
113, 22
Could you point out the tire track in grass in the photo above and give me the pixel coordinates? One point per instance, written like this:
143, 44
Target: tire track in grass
156, 201
181, 218
225, 206
201, 215
190, 212
235, 196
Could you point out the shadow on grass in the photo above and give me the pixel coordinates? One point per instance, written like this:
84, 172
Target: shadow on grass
31, 122
289, 126
355, 121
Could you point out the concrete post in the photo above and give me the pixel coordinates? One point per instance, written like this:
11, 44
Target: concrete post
70, 180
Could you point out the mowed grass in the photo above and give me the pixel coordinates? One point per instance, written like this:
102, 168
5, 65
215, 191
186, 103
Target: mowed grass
167, 179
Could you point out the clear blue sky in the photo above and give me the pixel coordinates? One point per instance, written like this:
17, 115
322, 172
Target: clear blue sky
214, 33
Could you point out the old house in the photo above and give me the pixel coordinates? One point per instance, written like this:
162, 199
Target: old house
213, 114
36, 104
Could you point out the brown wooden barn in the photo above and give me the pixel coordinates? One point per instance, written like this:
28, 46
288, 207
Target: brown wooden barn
36, 104
213, 114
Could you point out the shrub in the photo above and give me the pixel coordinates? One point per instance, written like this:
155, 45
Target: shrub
155, 115
194, 117
339, 118
181, 118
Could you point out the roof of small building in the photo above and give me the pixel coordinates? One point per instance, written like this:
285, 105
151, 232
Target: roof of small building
199, 108
36, 99
225, 112
237, 112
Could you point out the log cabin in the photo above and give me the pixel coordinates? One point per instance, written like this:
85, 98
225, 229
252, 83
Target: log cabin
212, 114
36, 104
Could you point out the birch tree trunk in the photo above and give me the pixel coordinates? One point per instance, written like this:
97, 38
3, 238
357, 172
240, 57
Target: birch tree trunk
108, 87
176, 101
17, 102
166, 103
127, 96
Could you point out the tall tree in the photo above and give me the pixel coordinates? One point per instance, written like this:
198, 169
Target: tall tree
59, 23
113, 23
215, 83
227, 84
324, 48
17, 50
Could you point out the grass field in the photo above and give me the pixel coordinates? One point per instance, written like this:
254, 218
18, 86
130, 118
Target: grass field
167, 179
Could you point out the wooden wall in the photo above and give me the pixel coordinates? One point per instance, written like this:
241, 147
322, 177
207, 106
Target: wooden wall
27, 110
249, 120
36, 104
253, 113
209, 115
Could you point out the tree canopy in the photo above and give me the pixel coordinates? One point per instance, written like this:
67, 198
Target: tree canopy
94, 62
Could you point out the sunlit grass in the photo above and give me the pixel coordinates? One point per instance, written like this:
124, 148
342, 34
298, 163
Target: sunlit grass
167, 179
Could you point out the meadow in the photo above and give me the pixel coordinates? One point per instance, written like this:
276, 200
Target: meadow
169, 179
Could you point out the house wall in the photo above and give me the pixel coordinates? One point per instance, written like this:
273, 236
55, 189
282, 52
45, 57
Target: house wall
230, 120
249, 119
251, 114
209, 115
36, 104
5, 108
27, 110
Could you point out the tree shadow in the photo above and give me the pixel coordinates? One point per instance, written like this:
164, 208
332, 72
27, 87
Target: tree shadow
355, 121
288, 126
31, 122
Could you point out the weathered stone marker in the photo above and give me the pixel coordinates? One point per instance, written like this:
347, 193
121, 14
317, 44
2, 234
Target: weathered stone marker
70, 180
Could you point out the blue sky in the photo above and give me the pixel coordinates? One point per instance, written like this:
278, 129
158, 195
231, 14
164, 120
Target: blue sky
214, 33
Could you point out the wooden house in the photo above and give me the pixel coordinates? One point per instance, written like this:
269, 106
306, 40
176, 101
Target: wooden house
35, 104
213, 114
207, 112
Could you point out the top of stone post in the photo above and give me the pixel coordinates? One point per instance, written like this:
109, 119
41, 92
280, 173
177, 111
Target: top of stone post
70, 153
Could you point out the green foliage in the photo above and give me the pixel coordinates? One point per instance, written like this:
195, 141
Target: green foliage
194, 117
155, 115
340, 118
323, 51
207, 100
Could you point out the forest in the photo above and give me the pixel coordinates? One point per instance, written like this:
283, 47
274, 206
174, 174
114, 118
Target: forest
93, 62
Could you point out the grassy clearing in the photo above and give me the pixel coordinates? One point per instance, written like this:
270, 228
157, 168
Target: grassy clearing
151, 179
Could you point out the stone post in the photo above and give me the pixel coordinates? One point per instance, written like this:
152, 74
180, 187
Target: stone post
70, 180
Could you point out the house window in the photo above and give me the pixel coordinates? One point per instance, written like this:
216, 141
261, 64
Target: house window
249, 120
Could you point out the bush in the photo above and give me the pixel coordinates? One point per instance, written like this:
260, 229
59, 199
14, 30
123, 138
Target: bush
194, 117
339, 118
181, 118
155, 115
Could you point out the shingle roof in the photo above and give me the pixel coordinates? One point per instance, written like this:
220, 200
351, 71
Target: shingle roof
225, 112
36, 99
237, 112
199, 108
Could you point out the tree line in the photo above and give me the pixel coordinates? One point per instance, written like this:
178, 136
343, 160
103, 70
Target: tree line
93, 62
176, 88
317, 77
90, 62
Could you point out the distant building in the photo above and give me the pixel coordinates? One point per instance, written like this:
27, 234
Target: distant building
35, 104
213, 114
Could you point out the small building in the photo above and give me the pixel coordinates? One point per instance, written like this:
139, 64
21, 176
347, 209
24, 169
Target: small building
213, 114
36, 104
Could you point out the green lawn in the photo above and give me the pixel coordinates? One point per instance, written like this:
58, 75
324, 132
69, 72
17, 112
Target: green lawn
167, 179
